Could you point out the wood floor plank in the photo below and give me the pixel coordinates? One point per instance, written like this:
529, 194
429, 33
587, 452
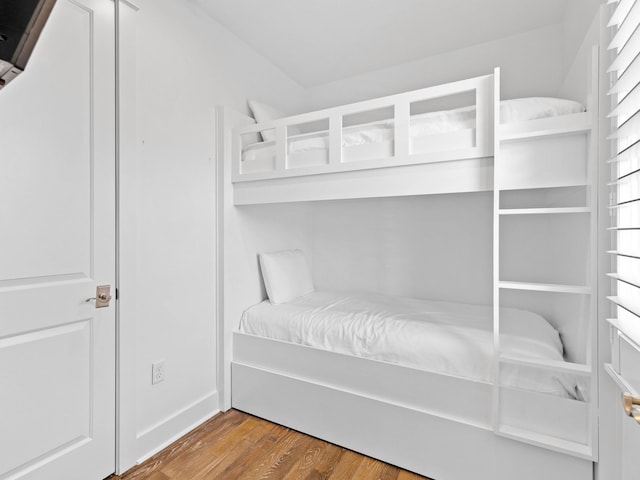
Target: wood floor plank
347, 465
277, 462
251, 429
405, 475
316, 463
244, 462
231, 448
371, 469
158, 476
208, 455
238, 446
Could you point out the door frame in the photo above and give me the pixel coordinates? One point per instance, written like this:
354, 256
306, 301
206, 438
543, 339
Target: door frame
126, 246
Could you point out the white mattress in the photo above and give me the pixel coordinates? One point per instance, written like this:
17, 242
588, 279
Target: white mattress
428, 132
450, 338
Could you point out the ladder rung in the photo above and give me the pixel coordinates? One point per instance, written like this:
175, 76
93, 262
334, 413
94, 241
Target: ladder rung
545, 287
543, 211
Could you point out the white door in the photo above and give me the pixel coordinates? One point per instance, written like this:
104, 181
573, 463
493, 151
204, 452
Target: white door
57, 242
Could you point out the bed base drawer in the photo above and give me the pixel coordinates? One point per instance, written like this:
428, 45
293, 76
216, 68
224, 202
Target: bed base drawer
424, 443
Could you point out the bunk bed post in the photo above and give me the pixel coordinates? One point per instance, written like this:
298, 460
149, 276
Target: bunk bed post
228, 152
335, 139
224, 346
401, 111
236, 145
281, 149
485, 111
593, 176
496, 250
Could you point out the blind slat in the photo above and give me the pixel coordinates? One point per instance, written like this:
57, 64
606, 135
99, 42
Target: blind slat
627, 28
627, 133
627, 107
624, 254
620, 13
626, 56
627, 177
629, 78
622, 304
617, 206
629, 153
621, 278
627, 206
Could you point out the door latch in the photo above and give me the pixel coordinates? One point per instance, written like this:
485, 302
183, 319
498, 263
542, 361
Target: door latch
103, 296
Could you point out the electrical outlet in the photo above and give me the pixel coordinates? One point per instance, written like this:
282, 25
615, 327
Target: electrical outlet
157, 372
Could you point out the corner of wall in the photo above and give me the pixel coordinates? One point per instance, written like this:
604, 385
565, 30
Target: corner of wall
575, 83
155, 438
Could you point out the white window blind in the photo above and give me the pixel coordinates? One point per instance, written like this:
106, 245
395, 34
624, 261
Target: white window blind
625, 182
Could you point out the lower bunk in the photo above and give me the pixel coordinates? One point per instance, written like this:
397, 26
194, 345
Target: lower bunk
411, 382
433, 424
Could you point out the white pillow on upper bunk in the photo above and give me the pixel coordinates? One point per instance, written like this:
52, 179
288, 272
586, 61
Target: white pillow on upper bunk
265, 113
532, 108
286, 275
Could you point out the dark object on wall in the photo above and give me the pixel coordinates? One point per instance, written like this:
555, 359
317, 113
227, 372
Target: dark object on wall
21, 22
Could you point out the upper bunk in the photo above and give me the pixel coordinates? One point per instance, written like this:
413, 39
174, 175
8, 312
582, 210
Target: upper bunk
439, 139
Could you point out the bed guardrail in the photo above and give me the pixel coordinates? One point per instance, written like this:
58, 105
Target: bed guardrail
325, 130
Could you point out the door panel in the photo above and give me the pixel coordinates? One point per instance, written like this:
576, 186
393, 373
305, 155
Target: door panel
55, 368
57, 211
56, 113
630, 448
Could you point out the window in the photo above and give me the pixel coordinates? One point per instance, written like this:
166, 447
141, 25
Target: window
625, 161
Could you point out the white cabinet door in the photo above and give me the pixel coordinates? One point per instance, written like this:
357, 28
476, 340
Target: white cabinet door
57, 242
630, 448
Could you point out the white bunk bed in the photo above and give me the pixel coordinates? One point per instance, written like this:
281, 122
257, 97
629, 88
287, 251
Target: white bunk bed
440, 425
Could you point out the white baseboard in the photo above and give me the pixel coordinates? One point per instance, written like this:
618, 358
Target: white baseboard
153, 439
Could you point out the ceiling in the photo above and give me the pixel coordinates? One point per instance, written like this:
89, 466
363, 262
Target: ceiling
319, 41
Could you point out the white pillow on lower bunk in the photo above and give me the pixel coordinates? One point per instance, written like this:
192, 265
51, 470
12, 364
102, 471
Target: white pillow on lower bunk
532, 108
286, 275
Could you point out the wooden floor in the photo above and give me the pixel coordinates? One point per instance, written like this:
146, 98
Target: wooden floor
234, 445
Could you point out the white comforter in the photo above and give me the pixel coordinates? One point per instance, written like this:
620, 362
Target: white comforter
449, 338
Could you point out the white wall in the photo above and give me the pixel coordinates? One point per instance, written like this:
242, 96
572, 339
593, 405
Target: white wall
435, 246
432, 246
258, 229
578, 18
185, 64
546, 61
581, 34
531, 64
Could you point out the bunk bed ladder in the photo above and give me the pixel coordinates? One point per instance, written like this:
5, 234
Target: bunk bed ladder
567, 425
